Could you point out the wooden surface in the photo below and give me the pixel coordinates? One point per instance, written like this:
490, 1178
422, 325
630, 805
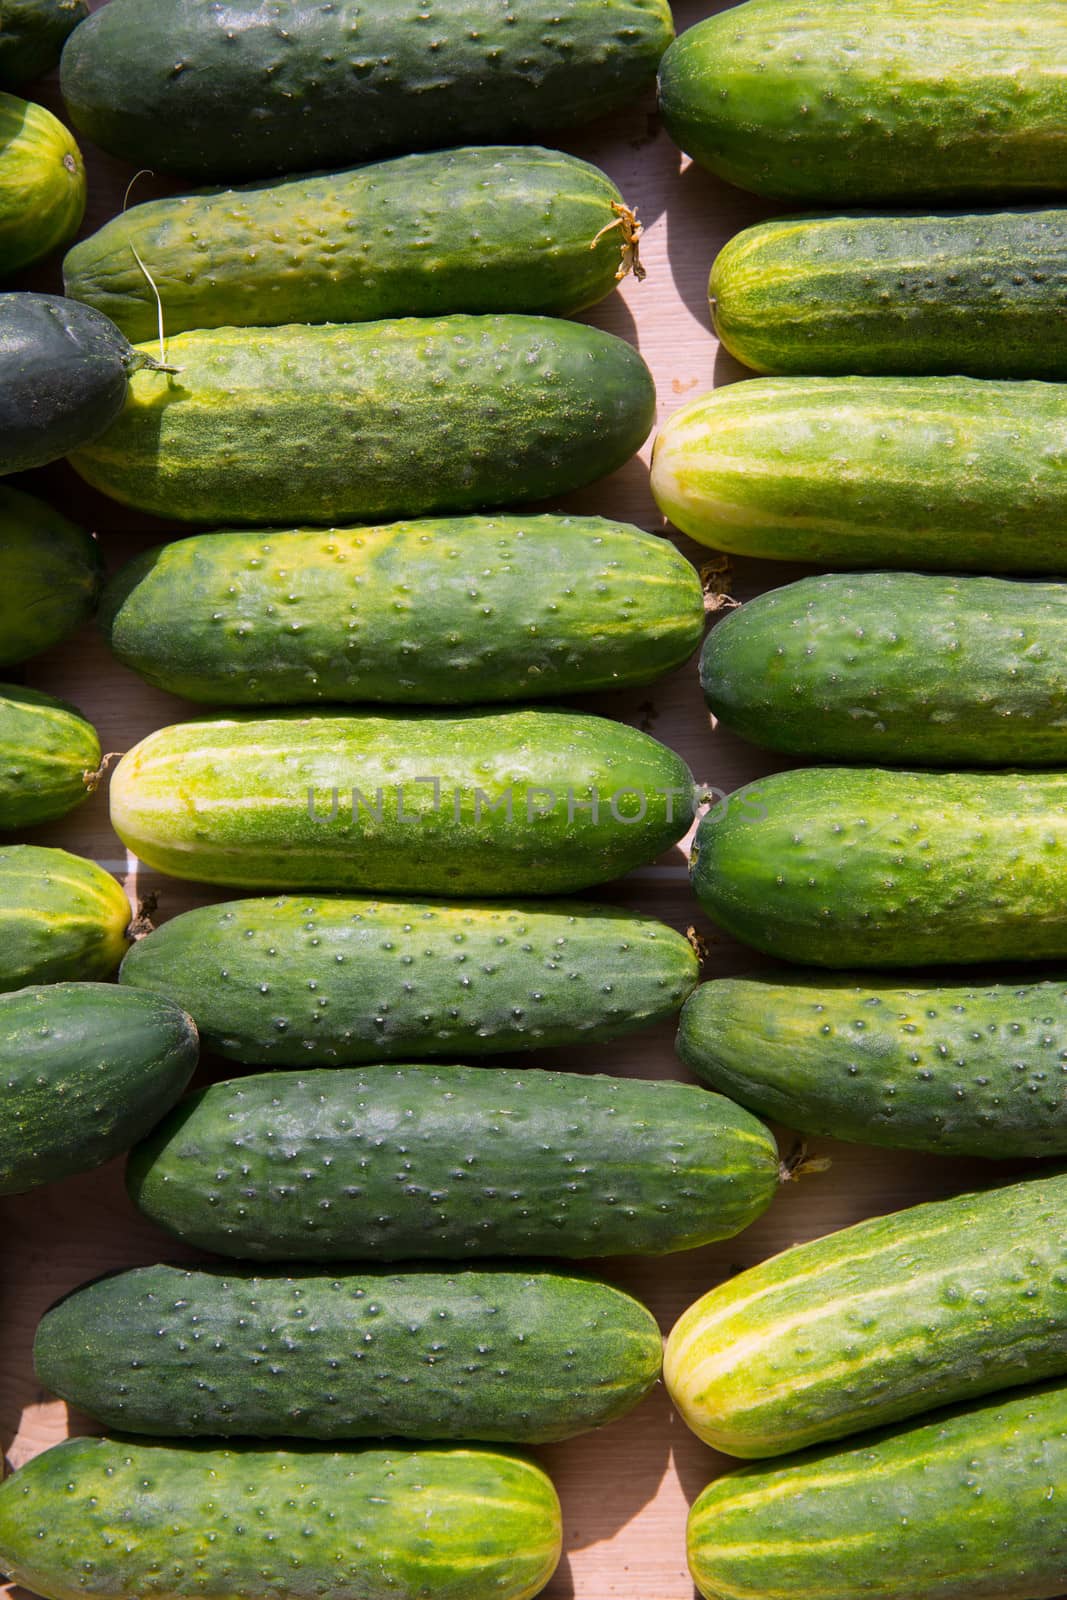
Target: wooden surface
625, 1490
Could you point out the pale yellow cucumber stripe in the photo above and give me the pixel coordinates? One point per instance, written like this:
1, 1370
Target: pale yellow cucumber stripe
694, 1324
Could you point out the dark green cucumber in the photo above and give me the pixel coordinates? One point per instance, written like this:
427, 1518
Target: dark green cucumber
849, 104
410, 1163
61, 917
63, 375
49, 756
479, 802
306, 85
955, 293
942, 1302
897, 667
50, 574
42, 183
86, 1070
374, 420
32, 36
430, 612
333, 982
254, 1523
502, 228
956, 474
963, 1506
957, 1069
520, 1357
861, 867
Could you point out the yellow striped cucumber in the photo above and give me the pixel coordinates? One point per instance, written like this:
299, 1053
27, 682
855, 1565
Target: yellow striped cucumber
42, 183
62, 917
250, 1521
478, 802
49, 756
950, 474
963, 1505
936, 1304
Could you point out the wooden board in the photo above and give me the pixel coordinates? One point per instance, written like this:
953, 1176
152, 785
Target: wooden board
625, 1490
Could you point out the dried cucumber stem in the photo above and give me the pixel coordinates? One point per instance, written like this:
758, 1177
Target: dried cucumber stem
626, 221
798, 1164
93, 778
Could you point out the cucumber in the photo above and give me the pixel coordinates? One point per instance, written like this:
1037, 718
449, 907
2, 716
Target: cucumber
49, 757
497, 229
845, 104
957, 474
430, 612
376, 420
956, 1069
305, 85
63, 375
861, 867
247, 1522
959, 1507
87, 1069
413, 1163
42, 183
897, 668
32, 35
953, 294
521, 1357
480, 802
333, 982
942, 1302
50, 574
62, 917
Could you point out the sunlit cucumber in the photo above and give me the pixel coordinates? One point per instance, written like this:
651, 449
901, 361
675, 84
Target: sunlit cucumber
420, 1162
61, 917
325, 981
519, 1356
248, 1520
430, 612
500, 228
478, 802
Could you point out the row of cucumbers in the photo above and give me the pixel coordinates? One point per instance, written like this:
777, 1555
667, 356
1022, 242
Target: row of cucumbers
962, 1298
897, 426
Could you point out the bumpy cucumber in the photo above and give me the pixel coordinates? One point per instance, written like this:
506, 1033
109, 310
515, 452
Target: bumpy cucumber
253, 1522
960, 1506
502, 228
850, 104
334, 982
957, 1069
958, 474
948, 1300
473, 803
63, 375
967, 293
243, 91
897, 668
42, 183
447, 414
859, 867
431, 612
50, 575
32, 35
410, 1163
49, 755
519, 1357
87, 1069
61, 917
